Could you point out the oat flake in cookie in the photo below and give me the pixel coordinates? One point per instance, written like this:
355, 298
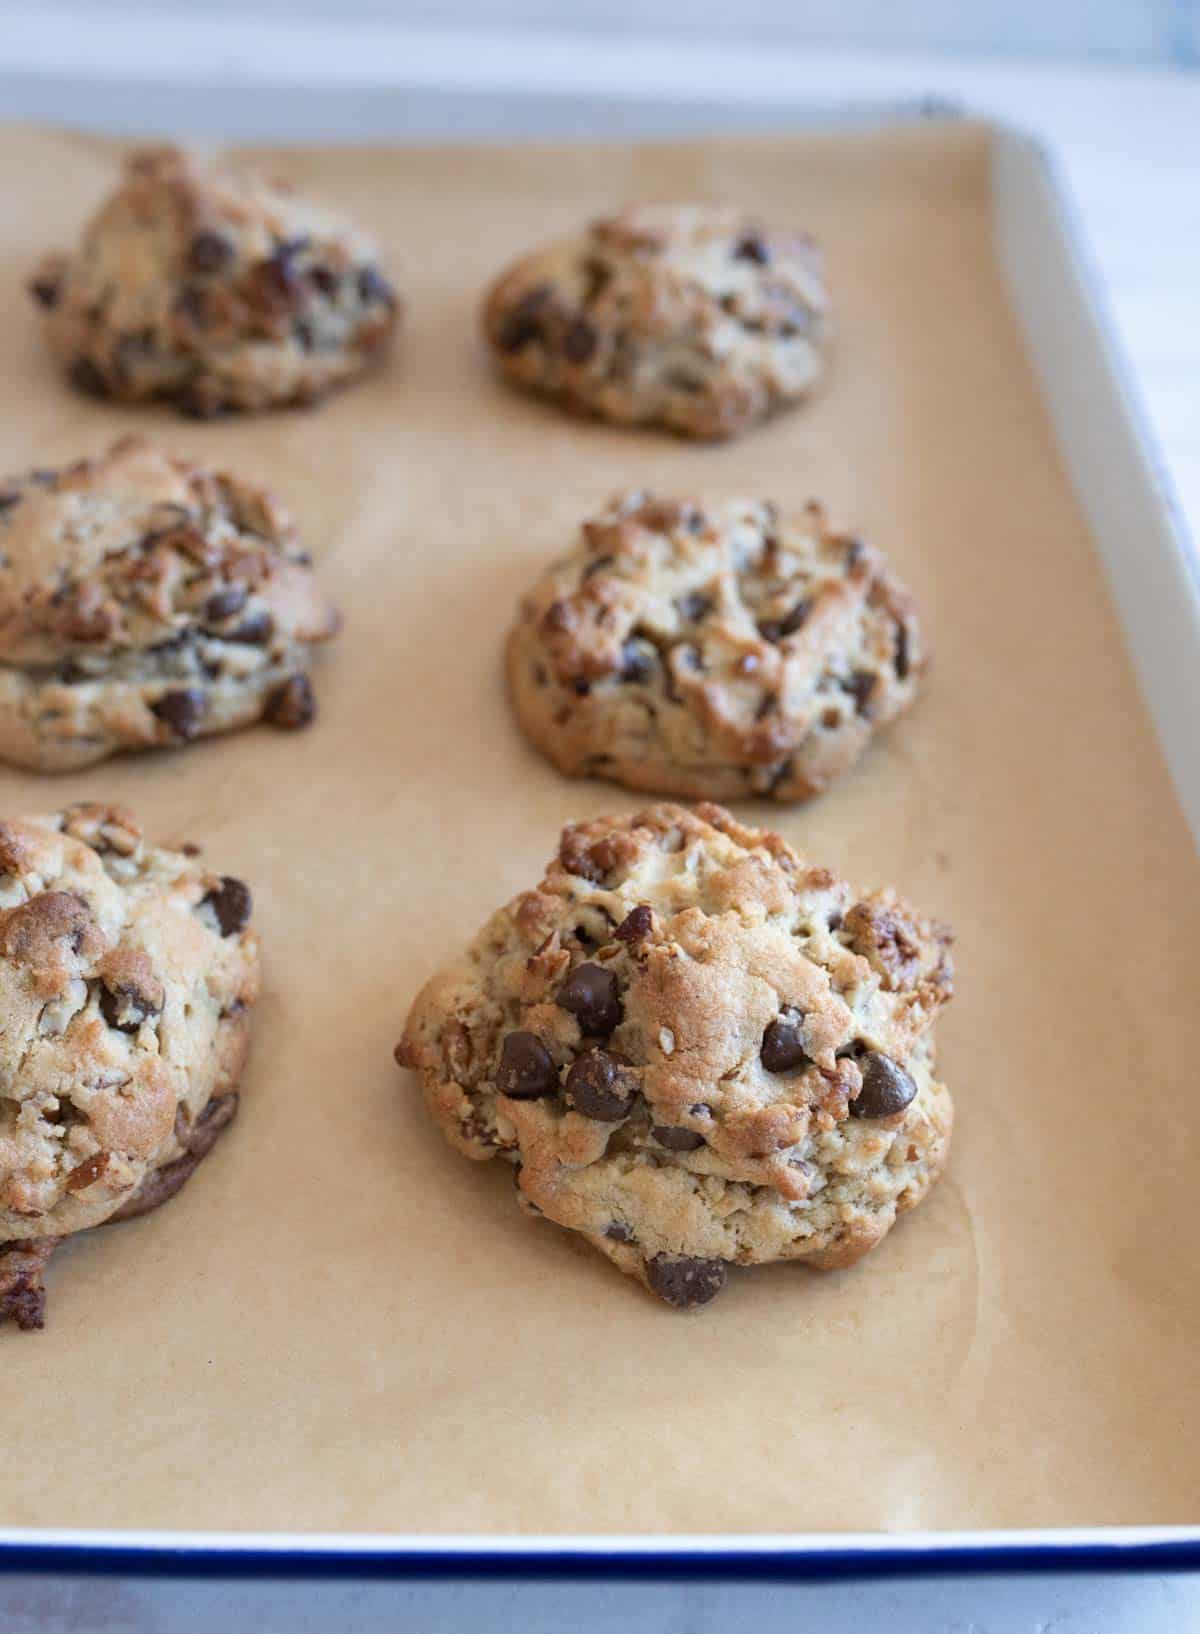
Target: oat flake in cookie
697, 1050
215, 288
713, 651
144, 602
127, 979
693, 317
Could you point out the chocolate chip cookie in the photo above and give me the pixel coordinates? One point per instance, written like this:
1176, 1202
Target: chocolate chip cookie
144, 602
214, 288
718, 651
127, 979
698, 1050
693, 317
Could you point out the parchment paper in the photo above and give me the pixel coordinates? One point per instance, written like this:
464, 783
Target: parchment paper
340, 1324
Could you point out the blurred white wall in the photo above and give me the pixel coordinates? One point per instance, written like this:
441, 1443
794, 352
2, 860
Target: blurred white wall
1112, 31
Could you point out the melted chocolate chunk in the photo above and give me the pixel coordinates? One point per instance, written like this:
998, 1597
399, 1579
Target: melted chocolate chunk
526, 1072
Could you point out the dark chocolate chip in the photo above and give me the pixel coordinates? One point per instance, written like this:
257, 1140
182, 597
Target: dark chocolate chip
590, 995
601, 1086
45, 291
124, 1009
523, 324
306, 335
901, 650
580, 341
8, 498
860, 685
752, 247
526, 1072
254, 631
683, 1281
886, 1088
695, 606
618, 1233
325, 279
782, 1045
637, 662
374, 289
232, 904
291, 705
775, 629
182, 711
676, 1139
636, 925
85, 376
210, 252
581, 686
223, 604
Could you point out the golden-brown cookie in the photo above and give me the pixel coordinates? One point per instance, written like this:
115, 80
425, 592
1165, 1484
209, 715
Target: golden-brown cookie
698, 1050
713, 651
144, 602
694, 317
127, 979
215, 288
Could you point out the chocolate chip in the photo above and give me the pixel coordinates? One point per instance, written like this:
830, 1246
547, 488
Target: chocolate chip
695, 606
581, 686
752, 247
523, 324
901, 650
8, 498
277, 276
637, 662
854, 554
683, 1281
306, 335
601, 1086
232, 904
45, 291
782, 1046
255, 631
886, 1088
182, 711
775, 629
199, 402
636, 925
374, 289
210, 252
676, 1139
526, 1072
87, 377
325, 279
124, 1009
291, 705
580, 341
590, 995
618, 1233
223, 604
860, 685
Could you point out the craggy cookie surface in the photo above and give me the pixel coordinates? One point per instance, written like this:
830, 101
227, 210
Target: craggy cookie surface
127, 977
715, 651
697, 1050
215, 288
145, 601
692, 317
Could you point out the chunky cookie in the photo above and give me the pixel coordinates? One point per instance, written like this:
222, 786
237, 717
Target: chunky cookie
214, 288
693, 317
715, 651
145, 601
127, 978
697, 1050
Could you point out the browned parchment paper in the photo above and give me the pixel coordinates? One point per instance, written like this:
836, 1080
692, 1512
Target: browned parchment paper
342, 1325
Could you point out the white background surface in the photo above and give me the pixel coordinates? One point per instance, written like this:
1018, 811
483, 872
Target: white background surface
1128, 144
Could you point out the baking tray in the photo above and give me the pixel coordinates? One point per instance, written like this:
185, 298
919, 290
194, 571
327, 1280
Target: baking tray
1136, 533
